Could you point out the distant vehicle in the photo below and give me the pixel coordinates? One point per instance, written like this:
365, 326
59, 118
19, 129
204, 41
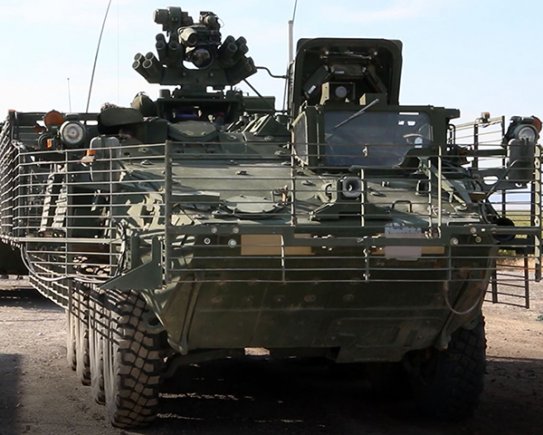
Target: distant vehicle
205, 222
10, 261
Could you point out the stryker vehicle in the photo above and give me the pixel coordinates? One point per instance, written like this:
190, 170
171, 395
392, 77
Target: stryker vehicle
204, 223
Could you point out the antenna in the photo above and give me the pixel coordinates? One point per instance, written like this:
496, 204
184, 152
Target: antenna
290, 51
291, 34
96, 56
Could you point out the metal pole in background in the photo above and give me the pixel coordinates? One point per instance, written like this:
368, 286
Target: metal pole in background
291, 34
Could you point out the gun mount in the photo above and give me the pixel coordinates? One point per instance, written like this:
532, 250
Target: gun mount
193, 55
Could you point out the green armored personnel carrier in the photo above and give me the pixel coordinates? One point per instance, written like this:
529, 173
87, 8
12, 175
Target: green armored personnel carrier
204, 223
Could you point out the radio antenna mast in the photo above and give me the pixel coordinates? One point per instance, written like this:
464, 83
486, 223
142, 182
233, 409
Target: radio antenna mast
96, 56
290, 52
291, 34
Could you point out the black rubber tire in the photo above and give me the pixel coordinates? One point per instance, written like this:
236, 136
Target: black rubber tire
132, 362
447, 386
81, 299
70, 339
96, 331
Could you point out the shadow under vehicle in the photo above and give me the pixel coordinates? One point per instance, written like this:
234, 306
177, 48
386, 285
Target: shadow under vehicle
205, 224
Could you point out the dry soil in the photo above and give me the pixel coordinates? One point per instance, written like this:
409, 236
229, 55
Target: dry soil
39, 394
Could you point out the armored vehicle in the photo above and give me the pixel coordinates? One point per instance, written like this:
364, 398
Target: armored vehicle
203, 223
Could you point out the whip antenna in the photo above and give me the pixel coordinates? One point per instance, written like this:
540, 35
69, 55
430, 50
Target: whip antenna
291, 34
96, 56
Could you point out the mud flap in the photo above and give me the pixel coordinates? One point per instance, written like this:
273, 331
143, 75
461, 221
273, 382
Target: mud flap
144, 277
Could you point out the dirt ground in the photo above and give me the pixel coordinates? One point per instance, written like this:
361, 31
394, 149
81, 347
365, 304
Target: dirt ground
39, 394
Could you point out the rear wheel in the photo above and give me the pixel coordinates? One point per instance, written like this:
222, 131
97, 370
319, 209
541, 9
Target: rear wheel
70, 338
96, 332
447, 384
132, 362
81, 301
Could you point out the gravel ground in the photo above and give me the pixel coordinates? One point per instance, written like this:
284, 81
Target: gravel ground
39, 394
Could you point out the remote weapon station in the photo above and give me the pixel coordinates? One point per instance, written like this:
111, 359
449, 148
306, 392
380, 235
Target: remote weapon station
204, 223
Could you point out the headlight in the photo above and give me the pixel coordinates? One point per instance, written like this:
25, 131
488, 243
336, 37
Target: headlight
72, 133
523, 129
526, 133
351, 187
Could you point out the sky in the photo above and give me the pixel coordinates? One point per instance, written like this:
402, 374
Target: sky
471, 55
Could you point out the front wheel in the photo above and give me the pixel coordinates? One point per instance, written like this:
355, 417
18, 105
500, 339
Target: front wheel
132, 361
447, 384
